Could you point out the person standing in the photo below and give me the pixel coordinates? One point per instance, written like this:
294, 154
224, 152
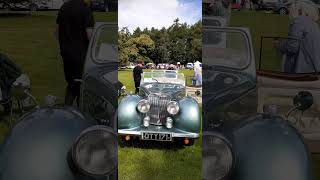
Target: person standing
75, 22
301, 51
137, 72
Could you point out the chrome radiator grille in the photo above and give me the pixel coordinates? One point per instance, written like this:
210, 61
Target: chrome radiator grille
158, 108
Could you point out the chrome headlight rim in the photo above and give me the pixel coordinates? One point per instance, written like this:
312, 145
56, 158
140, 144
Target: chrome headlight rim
228, 144
144, 102
176, 104
86, 133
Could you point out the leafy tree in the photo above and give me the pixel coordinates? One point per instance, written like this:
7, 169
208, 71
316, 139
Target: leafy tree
178, 43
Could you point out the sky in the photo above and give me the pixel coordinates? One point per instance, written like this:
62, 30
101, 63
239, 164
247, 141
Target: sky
157, 13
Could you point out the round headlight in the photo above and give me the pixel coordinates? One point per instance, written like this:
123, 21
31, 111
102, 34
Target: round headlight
173, 108
95, 151
143, 106
217, 157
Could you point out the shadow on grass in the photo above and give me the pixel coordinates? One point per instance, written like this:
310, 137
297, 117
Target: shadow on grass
136, 143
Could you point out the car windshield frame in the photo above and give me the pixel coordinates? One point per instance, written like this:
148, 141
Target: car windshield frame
93, 49
226, 30
171, 86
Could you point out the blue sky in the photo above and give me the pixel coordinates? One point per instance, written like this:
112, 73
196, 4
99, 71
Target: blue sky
157, 13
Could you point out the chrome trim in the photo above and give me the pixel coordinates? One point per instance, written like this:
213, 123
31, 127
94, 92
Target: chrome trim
158, 108
174, 135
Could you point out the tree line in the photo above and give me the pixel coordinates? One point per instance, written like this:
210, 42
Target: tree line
179, 42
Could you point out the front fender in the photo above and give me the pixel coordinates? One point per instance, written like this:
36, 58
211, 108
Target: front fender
189, 117
38, 145
268, 147
128, 116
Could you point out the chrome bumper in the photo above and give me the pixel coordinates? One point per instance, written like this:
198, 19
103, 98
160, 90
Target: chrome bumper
174, 134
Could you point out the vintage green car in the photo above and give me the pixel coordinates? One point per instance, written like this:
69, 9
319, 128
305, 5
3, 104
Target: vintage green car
161, 111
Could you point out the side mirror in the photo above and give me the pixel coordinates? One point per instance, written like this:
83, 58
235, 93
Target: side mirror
198, 93
303, 101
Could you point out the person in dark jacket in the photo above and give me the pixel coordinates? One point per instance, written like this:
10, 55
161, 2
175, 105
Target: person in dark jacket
137, 72
9, 72
75, 22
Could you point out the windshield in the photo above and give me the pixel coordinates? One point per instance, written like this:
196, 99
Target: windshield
163, 88
227, 49
171, 77
105, 47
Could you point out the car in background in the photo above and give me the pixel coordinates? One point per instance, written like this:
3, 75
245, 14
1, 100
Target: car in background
161, 66
283, 6
278, 6
172, 67
131, 65
33, 5
189, 66
150, 66
103, 5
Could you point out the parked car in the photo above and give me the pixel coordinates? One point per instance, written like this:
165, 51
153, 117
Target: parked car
64, 142
161, 66
172, 67
283, 6
150, 66
99, 5
240, 143
189, 66
104, 5
161, 111
131, 65
33, 5
278, 6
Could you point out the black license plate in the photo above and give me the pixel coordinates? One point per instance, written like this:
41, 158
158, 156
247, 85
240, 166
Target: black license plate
156, 136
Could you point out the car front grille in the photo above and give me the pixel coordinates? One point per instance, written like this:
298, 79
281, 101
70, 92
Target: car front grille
158, 108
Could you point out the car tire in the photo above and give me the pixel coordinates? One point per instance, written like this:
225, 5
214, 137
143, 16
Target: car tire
283, 11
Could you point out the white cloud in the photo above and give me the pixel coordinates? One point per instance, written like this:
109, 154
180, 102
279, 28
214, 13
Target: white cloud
156, 13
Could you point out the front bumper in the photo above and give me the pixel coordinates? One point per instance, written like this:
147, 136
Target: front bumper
176, 133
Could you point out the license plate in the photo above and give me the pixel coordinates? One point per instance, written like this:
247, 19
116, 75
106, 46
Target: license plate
156, 136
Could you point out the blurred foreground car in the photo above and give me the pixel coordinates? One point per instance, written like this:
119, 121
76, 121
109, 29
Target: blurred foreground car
57, 142
238, 142
161, 111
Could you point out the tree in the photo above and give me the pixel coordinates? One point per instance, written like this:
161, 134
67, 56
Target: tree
135, 48
178, 43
